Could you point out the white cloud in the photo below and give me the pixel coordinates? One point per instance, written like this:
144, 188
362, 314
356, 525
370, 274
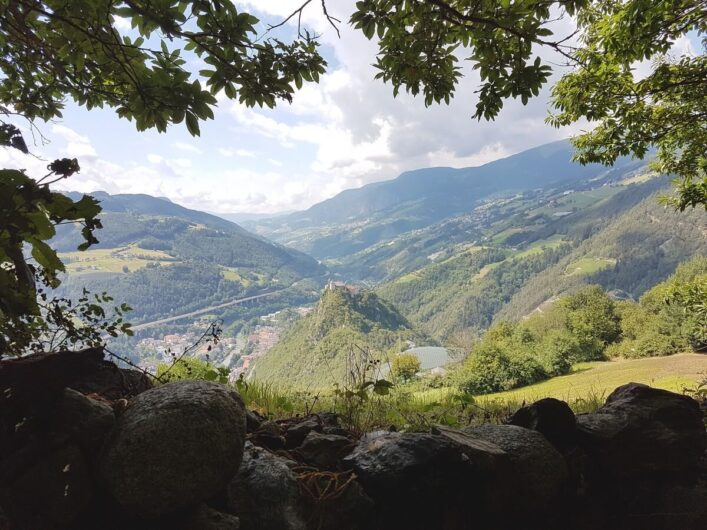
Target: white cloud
183, 146
77, 146
244, 153
344, 132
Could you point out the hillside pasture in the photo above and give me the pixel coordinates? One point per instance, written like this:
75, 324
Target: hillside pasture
113, 260
586, 266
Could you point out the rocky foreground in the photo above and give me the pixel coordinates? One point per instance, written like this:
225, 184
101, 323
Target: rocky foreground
87, 445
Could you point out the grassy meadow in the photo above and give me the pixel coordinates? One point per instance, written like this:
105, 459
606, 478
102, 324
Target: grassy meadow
115, 260
585, 389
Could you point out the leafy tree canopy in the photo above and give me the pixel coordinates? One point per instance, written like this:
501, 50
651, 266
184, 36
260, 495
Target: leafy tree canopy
404, 366
58, 49
420, 43
54, 49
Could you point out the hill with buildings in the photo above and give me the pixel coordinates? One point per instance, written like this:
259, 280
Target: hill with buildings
349, 330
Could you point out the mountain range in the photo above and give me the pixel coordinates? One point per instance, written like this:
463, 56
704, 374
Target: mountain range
356, 219
163, 259
451, 249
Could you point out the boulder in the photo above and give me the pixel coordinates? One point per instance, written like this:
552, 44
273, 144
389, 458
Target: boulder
643, 431
174, 446
265, 493
85, 421
203, 517
112, 382
485, 456
335, 501
268, 434
417, 480
534, 481
324, 450
296, 433
552, 418
52, 492
253, 420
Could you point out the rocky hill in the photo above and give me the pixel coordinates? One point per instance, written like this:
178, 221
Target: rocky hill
321, 348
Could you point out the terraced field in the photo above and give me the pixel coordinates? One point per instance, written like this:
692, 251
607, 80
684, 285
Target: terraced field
589, 266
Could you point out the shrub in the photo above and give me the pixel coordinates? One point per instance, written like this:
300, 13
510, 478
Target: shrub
557, 351
650, 344
592, 319
191, 368
490, 369
404, 366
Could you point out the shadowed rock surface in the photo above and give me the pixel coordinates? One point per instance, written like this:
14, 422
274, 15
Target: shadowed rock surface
171, 459
174, 446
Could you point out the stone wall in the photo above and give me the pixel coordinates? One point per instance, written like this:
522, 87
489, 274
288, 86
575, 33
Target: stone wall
98, 449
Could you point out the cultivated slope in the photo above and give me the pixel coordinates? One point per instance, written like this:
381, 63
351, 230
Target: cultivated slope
623, 240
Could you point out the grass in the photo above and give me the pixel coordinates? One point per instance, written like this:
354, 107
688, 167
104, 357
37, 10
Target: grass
638, 179
540, 246
113, 259
231, 274
586, 266
674, 372
585, 390
594, 381
577, 200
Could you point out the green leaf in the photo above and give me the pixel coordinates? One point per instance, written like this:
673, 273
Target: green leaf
45, 255
192, 124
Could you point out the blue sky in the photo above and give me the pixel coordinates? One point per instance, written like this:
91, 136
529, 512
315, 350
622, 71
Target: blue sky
344, 132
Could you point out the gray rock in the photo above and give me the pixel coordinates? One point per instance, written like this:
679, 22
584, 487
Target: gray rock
253, 420
417, 480
265, 493
53, 492
86, 421
112, 382
295, 434
269, 434
484, 455
324, 450
174, 446
204, 517
642, 431
552, 418
535, 479
344, 506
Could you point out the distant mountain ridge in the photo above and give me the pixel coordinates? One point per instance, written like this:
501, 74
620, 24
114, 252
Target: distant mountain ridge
162, 258
358, 218
143, 204
537, 167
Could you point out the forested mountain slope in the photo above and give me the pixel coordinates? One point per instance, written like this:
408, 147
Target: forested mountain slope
626, 240
164, 259
357, 219
317, 351
634, 251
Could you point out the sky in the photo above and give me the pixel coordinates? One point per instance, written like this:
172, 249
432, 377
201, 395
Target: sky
342, 133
